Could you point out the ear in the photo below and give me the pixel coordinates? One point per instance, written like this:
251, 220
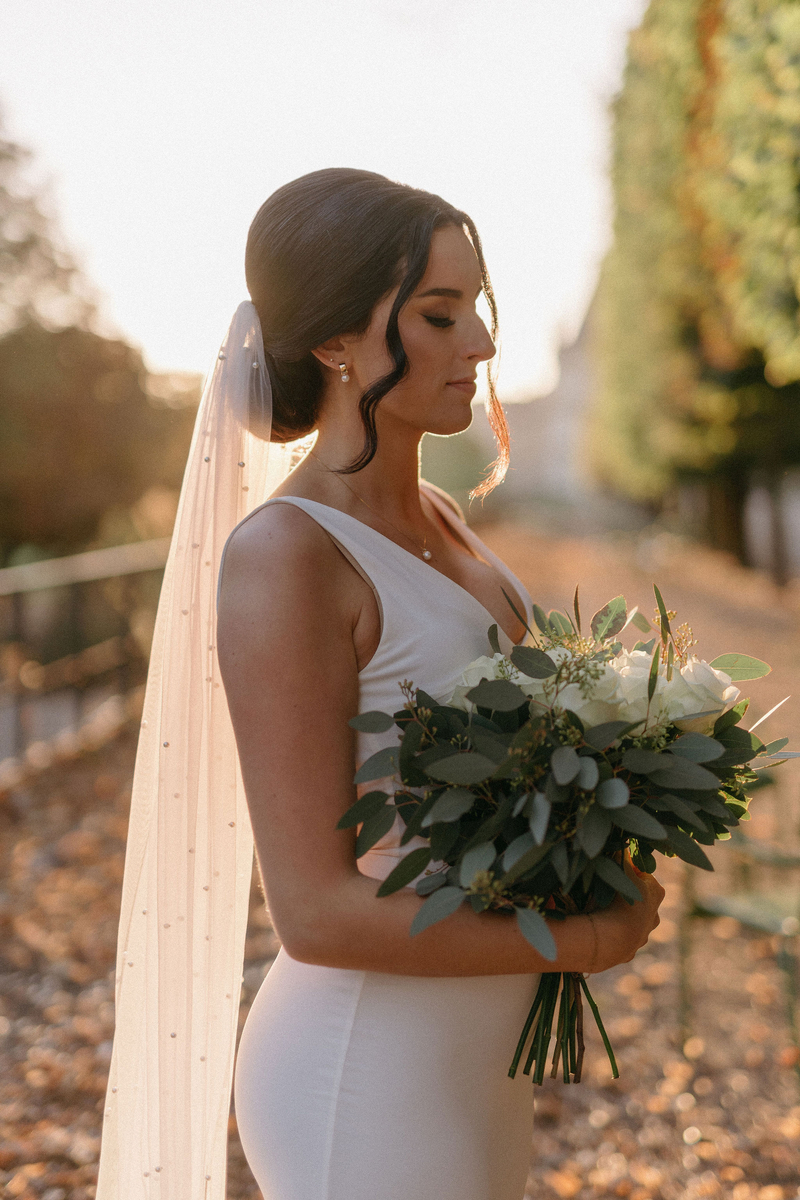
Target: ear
330, 353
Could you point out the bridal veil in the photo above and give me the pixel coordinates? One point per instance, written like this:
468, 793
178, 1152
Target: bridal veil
189, 854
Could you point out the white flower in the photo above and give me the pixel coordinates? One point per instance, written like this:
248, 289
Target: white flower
694, 688
632, 668
497, 667
484, 667
698, 688
594, 703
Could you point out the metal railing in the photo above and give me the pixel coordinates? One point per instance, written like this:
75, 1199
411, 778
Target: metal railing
98, 591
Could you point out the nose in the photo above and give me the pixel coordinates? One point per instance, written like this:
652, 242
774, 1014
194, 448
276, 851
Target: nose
480, 345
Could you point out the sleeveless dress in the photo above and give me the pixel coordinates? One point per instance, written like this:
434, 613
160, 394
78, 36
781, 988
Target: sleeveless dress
359, 1085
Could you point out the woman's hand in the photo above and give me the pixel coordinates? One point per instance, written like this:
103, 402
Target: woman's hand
624, 928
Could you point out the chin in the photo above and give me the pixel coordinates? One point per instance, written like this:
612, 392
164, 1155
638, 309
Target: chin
454, 422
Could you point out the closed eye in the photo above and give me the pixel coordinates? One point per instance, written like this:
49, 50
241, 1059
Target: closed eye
439, 322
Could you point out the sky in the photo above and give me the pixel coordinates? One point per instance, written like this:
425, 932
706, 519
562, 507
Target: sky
160, 126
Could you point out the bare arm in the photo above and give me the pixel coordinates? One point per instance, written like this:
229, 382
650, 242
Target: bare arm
292, 616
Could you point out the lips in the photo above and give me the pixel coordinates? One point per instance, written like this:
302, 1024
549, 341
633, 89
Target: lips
467, 385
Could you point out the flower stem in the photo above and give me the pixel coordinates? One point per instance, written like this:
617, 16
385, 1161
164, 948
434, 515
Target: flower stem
537, 1000
600, 1026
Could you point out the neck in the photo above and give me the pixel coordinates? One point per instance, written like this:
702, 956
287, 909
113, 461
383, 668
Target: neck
390, 482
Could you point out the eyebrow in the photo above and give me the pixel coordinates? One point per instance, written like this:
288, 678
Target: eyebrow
454, 293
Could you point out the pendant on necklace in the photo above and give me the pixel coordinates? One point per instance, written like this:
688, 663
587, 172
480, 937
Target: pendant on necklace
426, 554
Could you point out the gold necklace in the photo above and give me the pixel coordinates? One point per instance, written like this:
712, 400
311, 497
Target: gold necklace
424, 551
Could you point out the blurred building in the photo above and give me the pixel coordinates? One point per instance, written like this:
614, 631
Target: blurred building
547, 481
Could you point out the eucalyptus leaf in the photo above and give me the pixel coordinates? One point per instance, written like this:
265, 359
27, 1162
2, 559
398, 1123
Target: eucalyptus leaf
462, 768
741, 666
540, 618
697, 747
687, 849
560, 861
540, 815
613, 793
374, 828
515, 850
371, 722
498, 694
430, 883
406, 870
520, 803
443, 903
683, 774
601, 737
610, 619
642, 762
562, 624
774, 747
494, 640
615, 877
565, 764
365, 806
635, 820
647, 647
652, 679
516, 611
641, 622
740, 745
588, 775
533, 662
534, 929
594, 829
674, 804
666, 632
451, 806
381, 765
479, 858
529, 860
489, 744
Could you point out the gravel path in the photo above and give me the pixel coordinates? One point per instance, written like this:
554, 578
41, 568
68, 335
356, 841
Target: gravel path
717, 1115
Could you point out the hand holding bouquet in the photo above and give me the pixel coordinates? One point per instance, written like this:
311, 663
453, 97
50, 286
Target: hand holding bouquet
545, 768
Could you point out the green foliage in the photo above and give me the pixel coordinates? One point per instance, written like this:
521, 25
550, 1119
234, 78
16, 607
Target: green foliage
84, 430
39, 281
79, 434
697, 311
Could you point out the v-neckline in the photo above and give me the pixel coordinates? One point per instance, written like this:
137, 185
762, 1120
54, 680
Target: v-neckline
428, 568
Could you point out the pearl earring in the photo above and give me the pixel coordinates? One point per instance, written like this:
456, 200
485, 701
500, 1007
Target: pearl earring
344, 375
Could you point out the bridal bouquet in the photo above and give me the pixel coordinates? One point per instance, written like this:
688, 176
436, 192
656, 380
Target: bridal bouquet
545, 767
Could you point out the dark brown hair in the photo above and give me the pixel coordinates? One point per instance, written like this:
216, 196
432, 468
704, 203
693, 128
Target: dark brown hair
321, 252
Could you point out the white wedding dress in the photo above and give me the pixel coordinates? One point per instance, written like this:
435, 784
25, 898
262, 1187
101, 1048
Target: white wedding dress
357, 1085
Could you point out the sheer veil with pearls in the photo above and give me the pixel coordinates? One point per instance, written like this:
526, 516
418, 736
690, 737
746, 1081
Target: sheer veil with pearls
189, 854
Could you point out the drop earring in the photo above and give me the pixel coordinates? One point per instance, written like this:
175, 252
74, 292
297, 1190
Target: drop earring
343, 373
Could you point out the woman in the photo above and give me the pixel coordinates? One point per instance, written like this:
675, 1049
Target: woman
372, 1066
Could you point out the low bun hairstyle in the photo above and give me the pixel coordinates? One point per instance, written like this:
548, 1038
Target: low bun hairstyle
321, 252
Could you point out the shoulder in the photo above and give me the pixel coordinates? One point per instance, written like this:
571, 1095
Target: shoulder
443, 495
278, 535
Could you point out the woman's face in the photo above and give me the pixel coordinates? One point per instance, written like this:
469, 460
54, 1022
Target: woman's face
444, 338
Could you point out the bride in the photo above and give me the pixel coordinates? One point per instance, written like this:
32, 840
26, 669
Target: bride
372, 1066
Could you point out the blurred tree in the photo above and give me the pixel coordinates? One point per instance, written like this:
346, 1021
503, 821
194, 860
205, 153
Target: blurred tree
38, 278
84, 429
698, 332
79, 434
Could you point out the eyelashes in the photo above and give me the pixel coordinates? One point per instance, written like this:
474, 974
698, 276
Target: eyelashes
440, 322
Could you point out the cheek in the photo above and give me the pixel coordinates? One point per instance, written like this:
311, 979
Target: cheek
427, 352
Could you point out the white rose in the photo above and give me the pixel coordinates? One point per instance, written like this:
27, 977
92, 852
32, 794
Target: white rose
632, 668
484, 667
698, 688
